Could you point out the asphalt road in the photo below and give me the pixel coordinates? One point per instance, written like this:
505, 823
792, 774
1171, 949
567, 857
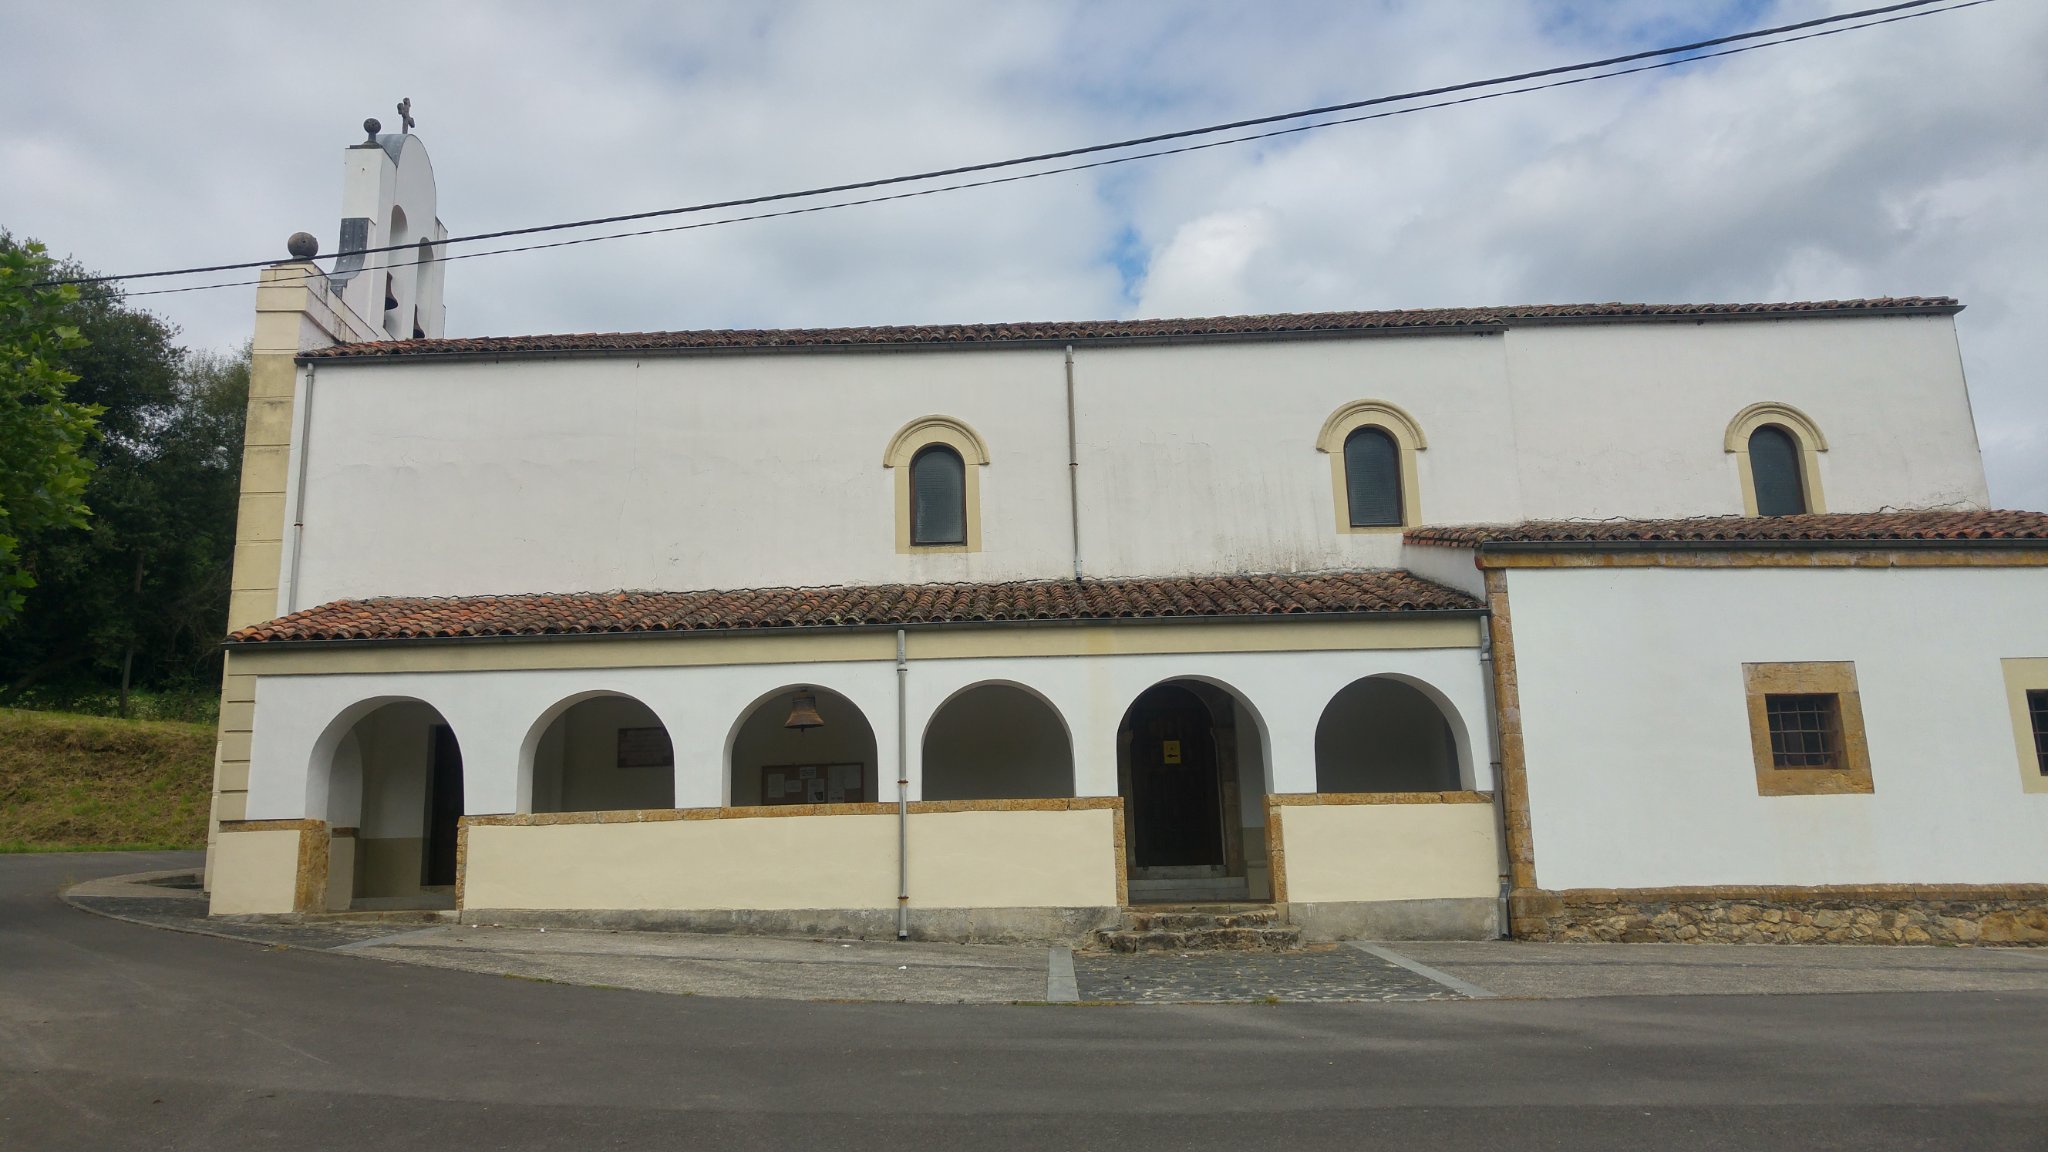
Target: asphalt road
117, 1036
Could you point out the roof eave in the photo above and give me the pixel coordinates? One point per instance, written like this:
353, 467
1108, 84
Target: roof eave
1028, 344
1038, 343
1383, 615
1906, 544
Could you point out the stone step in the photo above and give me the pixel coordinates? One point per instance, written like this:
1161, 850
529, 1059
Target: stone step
1188, 891
1181, 921
1177, 872
1240, 927
1271, 937
387, 916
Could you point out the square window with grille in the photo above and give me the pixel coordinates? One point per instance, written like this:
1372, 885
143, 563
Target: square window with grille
1806, 729
2037, 712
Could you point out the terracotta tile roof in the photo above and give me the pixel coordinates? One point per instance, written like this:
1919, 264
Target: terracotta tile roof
1736, 531
1084, 331
1389, 591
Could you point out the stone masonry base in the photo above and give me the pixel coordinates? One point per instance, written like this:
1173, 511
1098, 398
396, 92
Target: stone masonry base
1989, 914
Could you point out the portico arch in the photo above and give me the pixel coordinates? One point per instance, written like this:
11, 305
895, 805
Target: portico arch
1389, 733
1191, 766
997, 740
599, 751
832, 762
386, 775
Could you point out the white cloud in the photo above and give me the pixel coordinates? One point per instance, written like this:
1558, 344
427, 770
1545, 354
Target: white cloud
1907, 159
1201, 271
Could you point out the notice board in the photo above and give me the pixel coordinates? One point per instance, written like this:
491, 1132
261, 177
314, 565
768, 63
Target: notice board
813, 784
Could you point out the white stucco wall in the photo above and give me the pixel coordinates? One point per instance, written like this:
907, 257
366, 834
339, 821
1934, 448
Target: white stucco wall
494, 714
1628, 419
1639, 759
752, 470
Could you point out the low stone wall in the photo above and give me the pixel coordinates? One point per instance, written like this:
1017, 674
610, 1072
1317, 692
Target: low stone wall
1989, 914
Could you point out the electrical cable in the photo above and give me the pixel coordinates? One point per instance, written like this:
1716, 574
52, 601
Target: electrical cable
1299, 128
1840, 18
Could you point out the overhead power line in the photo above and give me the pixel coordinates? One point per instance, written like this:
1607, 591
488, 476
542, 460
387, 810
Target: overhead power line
1831, 25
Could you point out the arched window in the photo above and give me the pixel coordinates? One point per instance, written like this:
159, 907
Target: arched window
1774, 468
938, 496
1372, 478
938, 463
1373, 447
1777, 450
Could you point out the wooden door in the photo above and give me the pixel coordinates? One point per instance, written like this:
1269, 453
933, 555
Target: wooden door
1176, 816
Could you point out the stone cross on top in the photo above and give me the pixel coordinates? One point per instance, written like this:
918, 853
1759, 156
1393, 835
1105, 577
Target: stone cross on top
405, 120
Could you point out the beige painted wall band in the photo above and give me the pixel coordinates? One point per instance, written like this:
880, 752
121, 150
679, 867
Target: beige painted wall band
779, 811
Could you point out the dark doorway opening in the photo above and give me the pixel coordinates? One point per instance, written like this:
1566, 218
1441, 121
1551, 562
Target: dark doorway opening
444, 809
1175, 802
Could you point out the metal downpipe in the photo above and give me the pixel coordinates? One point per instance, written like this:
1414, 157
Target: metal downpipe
291, 601
1073, 467
902, 787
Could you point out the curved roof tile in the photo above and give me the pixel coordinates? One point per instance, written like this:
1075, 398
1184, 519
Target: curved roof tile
1390, 591
1101, 330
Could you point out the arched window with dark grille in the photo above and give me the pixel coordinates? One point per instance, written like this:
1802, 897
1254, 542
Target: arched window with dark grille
1372, 478
1774, 468
938, 496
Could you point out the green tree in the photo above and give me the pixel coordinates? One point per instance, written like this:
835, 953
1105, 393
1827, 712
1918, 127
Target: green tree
43, 432
138, 596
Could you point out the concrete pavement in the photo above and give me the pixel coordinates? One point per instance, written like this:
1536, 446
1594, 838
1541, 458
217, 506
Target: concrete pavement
114, 1036
926, 972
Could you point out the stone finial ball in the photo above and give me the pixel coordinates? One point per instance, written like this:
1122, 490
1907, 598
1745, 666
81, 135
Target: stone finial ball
372, 126
303, 245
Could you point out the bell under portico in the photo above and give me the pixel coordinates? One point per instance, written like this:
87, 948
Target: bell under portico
1316, 742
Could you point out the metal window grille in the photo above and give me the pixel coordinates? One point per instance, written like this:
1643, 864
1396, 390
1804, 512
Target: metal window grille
1774, 466
2037, 711
1372, 478
1806, 730
938, 497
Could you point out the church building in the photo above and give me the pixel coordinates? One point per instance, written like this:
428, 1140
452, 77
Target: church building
1598, 621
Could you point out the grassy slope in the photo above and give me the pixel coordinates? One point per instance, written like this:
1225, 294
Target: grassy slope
73, 782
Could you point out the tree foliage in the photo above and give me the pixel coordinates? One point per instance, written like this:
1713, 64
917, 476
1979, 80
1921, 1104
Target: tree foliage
136, 594
43, 432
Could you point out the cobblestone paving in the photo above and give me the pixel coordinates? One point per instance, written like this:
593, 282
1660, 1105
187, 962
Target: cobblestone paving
1331, 972
189, 915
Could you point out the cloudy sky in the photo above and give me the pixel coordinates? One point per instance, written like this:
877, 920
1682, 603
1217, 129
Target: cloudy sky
1911, 159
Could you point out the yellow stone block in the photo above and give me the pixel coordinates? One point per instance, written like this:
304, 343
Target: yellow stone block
275, 375
270, 420
260, 516
248, 606
256, 564
234, 746
265, 467
230, 805
237, 689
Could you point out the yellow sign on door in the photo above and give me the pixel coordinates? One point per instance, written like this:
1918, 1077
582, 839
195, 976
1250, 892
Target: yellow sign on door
1169, 751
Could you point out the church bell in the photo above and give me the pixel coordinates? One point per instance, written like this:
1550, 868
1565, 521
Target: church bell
803, 712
